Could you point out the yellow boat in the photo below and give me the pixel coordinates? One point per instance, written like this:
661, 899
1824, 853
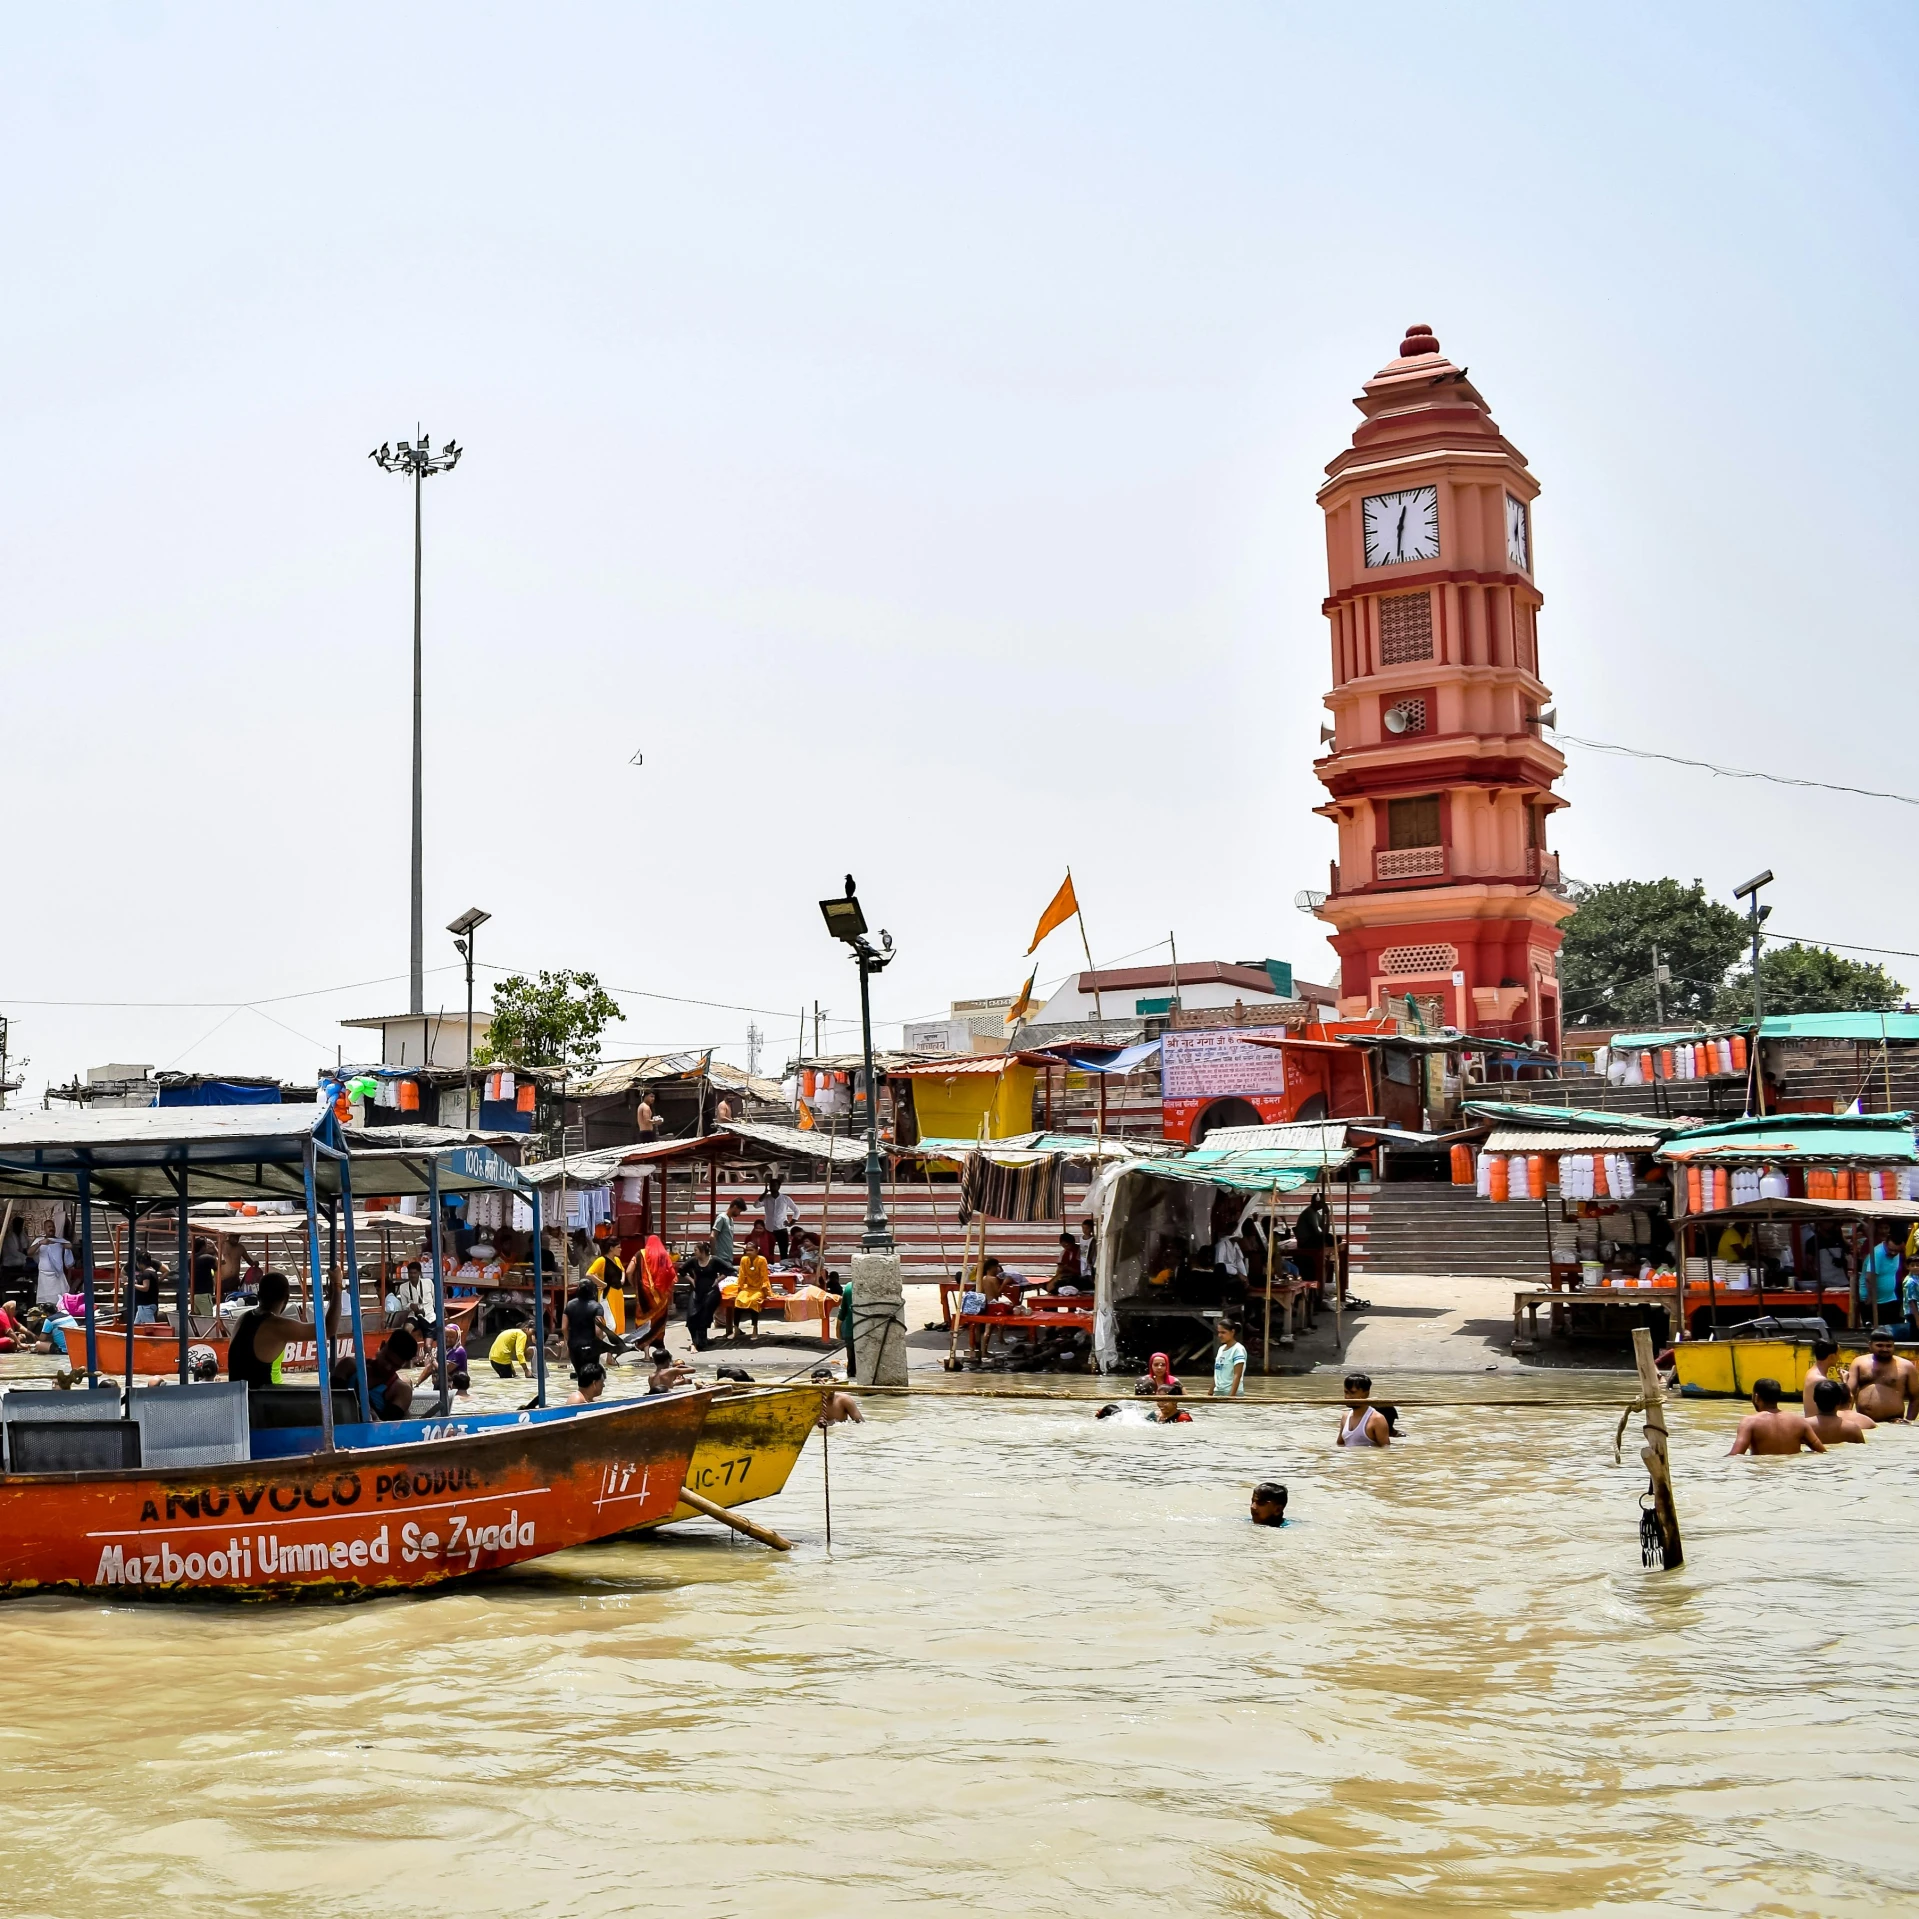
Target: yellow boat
752, 1439
1727, 1368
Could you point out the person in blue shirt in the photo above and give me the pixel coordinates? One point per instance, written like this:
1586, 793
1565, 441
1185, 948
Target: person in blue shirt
1229, 1363
1879, 1280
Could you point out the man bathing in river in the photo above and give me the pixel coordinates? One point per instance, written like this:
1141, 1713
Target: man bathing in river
1831, 1422
1362, 1423
1883, 1385
1767, 1430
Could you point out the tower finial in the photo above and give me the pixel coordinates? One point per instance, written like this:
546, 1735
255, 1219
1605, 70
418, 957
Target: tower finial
1419, 339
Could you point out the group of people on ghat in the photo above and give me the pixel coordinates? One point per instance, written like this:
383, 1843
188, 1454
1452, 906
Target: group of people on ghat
1879, 1388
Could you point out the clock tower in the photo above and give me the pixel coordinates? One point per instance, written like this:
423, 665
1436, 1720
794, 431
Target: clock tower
1438, 778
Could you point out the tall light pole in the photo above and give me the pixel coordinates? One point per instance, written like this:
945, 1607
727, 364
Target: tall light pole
417, 459
845, 921
463, 930
1750, 894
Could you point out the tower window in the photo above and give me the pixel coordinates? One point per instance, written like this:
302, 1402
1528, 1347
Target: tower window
1412, 822
1405, 628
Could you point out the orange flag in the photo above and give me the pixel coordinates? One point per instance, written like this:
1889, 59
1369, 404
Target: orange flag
806, 1121
1023, 1005
1065, 905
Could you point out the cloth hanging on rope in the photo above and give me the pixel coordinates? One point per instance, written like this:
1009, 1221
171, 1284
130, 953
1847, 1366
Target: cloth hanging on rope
1018, 1190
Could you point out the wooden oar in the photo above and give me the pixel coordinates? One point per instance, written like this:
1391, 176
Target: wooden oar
764, 1534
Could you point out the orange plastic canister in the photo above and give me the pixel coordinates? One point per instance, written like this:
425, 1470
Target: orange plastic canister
1739, 1052
1665, 1062
1536, 1175
1694, 1203
1497, 1181
1462, 1166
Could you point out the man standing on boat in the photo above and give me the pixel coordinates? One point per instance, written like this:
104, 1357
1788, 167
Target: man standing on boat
264, 1331
780, 1213
1884, 1386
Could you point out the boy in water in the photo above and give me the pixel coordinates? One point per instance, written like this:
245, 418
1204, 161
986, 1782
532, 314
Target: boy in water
1269, 1504
1766, 1430
1830, 1423
1824, 1353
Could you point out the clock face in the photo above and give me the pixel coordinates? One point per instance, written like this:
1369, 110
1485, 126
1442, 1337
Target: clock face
1402, 526
1517, 549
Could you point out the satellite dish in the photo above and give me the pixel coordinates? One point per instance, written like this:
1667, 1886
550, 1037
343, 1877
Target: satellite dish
1309, 899
1395, 719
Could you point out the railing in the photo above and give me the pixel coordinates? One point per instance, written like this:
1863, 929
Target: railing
1409, 863
1543, 867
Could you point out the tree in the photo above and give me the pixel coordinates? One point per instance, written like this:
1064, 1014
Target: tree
1810, 979
1605, 965
554, 1021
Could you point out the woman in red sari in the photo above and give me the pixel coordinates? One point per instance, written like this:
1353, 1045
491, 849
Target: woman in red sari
657, 1276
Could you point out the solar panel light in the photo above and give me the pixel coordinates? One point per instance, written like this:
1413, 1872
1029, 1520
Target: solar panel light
1753, 885
467, 921
843, 917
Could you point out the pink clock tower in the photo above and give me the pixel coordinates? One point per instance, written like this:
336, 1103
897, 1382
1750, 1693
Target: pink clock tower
1438, 778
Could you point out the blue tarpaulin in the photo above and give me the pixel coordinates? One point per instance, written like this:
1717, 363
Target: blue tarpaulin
217, 1092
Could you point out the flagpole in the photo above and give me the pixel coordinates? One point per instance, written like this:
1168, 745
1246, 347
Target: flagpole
1080, 915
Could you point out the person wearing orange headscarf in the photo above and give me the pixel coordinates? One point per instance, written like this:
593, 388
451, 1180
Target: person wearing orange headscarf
656, 1276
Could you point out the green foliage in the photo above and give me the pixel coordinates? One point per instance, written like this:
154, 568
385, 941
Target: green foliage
1809, 979
553, 1021
1605, 966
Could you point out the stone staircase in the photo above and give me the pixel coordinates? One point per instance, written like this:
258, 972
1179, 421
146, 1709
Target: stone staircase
1418, 1227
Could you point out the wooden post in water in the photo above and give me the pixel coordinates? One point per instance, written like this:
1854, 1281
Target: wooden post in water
1654, 1451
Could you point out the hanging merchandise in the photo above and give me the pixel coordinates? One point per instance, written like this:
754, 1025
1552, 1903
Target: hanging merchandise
522, 1214
1602, 1176
1536, 1176
1498, 1173
1745, 1184
1773, 1184
524, 1098
1483, 1175
1462, 1158
506, 1085
1738, 1052
409, 1096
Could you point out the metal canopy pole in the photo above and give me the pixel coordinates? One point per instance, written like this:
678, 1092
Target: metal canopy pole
86, 1276
183, 1279
439, 1282
322, 1319
132, 1230
353, 1281
539, 1300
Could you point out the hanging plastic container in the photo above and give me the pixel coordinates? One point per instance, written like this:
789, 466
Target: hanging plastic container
1645, 1068
524, 1098
1738, 1045
1499, 1180
1535, 1175
506, 1084
807, 1080
1695, 1202
1602, 1176
1483, 1175
1773, 1184
1721, 1189
1665, 1062
1462, 1166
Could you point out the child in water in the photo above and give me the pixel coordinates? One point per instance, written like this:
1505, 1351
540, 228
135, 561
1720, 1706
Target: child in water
1269, 1503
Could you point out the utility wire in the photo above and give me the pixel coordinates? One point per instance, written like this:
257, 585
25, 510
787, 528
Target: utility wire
1733, 772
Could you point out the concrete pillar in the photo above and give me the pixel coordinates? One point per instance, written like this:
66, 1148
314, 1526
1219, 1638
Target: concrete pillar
879, 1319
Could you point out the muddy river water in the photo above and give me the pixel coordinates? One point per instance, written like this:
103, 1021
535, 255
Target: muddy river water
1048, 1666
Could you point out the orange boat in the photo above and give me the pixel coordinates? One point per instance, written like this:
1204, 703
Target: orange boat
346, 1525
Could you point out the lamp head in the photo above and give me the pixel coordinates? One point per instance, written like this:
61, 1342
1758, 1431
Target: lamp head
464, 925
1753, 885
843, 917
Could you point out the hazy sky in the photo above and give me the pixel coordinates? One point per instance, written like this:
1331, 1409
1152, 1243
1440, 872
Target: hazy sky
902, 424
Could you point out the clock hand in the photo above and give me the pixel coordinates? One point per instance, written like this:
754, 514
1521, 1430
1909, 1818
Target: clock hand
1399, 538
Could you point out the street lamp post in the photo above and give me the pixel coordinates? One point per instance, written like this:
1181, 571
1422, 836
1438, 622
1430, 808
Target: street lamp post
463, 930
1750, 894
845, 921
417, 459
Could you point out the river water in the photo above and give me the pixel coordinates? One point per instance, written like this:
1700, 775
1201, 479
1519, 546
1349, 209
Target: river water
1048, 1667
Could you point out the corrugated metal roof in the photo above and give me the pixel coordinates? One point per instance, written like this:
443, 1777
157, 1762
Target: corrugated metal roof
1307, 1138
1827, 1138
815, 1143
1517, 1141
1856, 1026
1573, 1119
1030, 1146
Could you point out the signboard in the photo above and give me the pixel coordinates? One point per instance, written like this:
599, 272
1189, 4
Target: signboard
1220, 1064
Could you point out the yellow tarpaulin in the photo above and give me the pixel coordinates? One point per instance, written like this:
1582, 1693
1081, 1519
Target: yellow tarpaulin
949, 1106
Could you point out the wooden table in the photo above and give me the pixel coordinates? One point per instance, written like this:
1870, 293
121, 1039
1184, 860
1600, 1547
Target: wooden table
1559, 1299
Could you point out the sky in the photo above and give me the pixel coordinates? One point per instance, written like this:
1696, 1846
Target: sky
900, 425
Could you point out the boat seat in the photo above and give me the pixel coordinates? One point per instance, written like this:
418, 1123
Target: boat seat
46, 1406
72, 1445
202, 1425
277, 1407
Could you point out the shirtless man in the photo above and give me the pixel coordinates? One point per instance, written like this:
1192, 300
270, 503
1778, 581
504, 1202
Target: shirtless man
1825, 1352
1882, 1384
1833, 1425
1767, 1430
